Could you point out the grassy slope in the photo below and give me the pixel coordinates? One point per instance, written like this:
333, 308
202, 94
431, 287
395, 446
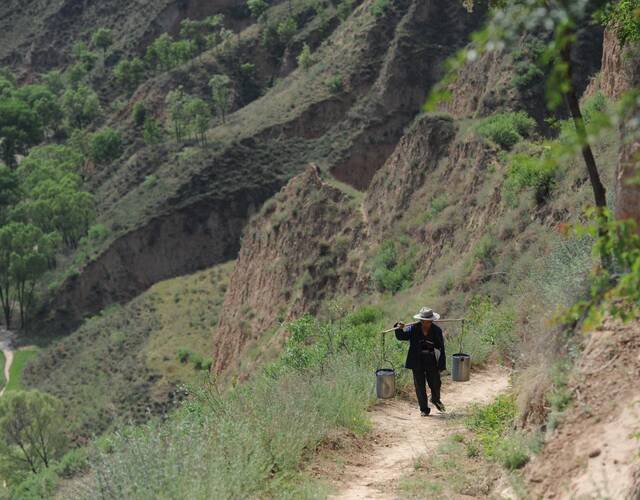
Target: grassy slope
20, 359
123, 363
2, 361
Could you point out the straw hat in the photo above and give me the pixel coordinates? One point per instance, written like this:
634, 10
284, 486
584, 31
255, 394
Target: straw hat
427, 315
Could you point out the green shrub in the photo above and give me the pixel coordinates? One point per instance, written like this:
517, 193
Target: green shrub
488, 328
526, 74
105, 146
379, 7
490, 422
335, 84
150, 181
286, 30
184, 355
151, 132
623, 18
390, 273
257, 7
197, 361
528, 172
528, 67
37, 486
485, 250
437, 205
365, 315
506, 129
139, 114
98, 232
344, 9
73, 463
207, 363
512, 452
305, 59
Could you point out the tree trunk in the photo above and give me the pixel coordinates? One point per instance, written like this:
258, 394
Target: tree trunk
599, 192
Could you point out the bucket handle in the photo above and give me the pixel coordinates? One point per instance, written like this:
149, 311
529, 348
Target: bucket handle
383, 352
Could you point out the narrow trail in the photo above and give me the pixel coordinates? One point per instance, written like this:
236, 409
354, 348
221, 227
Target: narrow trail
402, 435
6, 346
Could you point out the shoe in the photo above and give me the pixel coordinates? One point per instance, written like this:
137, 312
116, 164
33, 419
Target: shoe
425, 413
439, 406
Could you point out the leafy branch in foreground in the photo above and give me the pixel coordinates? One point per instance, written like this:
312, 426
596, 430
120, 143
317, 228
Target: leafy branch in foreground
615, 289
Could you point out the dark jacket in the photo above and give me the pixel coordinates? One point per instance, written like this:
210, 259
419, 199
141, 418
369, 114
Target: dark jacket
413, 333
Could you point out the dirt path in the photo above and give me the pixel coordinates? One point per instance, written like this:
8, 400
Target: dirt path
402, 435
6, 346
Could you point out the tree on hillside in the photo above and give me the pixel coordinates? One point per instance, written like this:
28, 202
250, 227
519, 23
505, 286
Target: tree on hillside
9, 190
200, 118
7, 85
221, 94
257, 7
44, 103
102, 39
59, 206
20, 128
84, 56
54, 81
204, 33
129, 73
165, 54
31, 424
25, 252
51, 161
105, 146
176, 101
81, 106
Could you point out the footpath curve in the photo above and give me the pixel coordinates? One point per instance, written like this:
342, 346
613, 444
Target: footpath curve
6, 346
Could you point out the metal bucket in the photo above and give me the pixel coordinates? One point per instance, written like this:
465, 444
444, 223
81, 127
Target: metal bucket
385, 383
461, 367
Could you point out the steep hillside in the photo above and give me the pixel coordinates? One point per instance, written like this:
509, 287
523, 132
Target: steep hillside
294, 256
593, 452
438, 204
130, 361
168, 228
37, 37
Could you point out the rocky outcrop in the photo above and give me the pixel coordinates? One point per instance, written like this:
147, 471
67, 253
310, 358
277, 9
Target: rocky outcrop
294, 255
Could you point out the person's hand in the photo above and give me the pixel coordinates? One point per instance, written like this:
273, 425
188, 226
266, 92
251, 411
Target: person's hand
399, 324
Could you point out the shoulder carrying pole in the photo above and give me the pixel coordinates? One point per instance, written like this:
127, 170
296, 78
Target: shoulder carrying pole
416, 322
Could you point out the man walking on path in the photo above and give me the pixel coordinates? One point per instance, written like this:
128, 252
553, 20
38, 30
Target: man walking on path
426, 356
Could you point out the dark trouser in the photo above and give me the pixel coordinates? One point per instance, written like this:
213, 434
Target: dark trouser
427, 374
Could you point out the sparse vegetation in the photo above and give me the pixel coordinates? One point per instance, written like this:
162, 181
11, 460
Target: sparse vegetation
335, 84
530, 172
305, 59
268, 426
390, 271
379, 7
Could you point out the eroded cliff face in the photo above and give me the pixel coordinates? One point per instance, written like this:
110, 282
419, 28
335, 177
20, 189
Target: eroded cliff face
621, 72
294, 254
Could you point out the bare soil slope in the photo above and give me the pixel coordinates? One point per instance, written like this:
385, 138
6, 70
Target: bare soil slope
594, 452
